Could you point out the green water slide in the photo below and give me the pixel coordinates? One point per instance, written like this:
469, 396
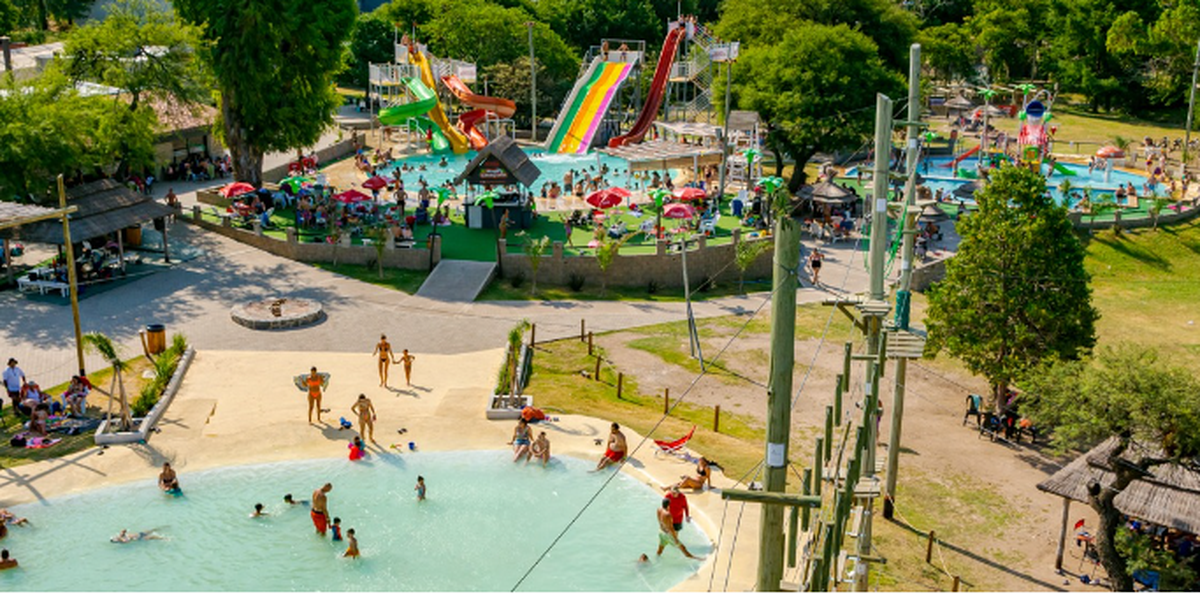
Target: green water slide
425, 100
1059, 167
439, 143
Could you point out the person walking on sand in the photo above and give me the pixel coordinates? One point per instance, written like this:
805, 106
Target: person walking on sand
351, 544
320, 508
366, 417
315, 384
667, 535
614, 453
407, 360
383, 350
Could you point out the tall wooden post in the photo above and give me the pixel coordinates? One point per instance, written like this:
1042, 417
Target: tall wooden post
1062, 533
71, 279
779, 393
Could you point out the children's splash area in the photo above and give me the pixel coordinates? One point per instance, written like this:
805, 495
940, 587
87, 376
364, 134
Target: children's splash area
482, 526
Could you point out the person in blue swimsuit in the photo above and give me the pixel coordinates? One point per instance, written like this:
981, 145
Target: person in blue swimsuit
521, 441
420, 488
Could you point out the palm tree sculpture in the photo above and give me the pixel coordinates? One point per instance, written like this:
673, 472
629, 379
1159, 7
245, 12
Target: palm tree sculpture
103, 345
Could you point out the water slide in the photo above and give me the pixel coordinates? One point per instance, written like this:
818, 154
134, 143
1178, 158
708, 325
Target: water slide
657, 89
413, 113
482, 104
586, 105
954, 163
1059, 167
458, 142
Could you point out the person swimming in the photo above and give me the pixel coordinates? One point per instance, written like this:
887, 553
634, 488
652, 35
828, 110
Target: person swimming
125, 537
258, 511
288, 500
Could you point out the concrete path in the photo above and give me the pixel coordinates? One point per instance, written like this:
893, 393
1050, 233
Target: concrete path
457, 281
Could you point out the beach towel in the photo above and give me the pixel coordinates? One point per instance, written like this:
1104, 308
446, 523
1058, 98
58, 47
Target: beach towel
302, 385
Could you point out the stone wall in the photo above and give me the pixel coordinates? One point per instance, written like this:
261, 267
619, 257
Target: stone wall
927, 273
1167, 217
415, 258
665, 267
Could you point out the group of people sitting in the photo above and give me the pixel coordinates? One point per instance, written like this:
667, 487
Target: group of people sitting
525, 446
40, 408
197, 167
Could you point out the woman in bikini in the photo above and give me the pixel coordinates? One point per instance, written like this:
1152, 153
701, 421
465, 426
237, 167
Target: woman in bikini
814, 262
383, 350
521, 441
703, 477
315, 382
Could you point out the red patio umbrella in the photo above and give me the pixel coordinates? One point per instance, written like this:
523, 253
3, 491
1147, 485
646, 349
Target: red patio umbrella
376, 183
679, 211
607, 198
686, 194
351, 196
1110, 152
236, 189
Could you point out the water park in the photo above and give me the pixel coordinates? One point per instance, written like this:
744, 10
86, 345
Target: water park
644, 341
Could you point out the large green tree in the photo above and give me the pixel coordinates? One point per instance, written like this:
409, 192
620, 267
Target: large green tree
10, 19
815, 89
275, 63
372, 42
949, 51
583, 23
1016, 293
1150, 408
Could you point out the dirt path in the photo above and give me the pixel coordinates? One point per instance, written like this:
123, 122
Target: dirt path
998, 531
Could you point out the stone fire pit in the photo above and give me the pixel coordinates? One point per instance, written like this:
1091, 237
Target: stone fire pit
274, 314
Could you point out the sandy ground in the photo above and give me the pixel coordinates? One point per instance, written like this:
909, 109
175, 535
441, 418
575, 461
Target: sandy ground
936, 449
238, 407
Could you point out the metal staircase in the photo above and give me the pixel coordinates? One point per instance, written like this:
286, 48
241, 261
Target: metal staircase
692, 79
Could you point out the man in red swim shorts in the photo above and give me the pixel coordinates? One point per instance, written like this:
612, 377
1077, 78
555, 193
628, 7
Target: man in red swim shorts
320, 508
616, 450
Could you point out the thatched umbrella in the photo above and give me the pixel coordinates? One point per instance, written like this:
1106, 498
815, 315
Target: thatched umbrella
932, 214
967, 191
959, 104
831, 193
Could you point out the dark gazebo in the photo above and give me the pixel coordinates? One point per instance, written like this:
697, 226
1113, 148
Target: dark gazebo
503, 167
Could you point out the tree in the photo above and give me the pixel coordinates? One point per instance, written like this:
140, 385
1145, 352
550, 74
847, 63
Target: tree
103, 345
10, 19
535, 249
1016, 293
839, 71
1157, 204
379, 236
275, 62
583, 23
744, 254
371, 42
949, 51
513, 81
1151, 409
1011, 35
513, 364
606, 254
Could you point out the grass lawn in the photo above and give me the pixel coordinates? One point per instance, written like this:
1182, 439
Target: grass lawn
1080, 125
70, 444
405, 281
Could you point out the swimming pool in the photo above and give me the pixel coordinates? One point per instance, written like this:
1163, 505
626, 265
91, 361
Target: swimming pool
939, 176
552, 165
483, 526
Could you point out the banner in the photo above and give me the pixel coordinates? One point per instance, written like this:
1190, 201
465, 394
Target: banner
401, 53
465, 72
724, 52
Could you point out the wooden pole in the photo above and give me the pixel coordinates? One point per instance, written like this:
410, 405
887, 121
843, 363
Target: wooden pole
828, 453
532, 334
589, 336
1062, 533
667, 401
8, 263
581, 329
794, 533
620, 382
845, 377
717, 419
818, 462
71, 280
807, 485
954, 588
929, 546
596, 376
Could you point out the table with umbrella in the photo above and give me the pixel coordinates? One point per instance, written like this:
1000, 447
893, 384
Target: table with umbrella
1109, 153
236, 189
604, 199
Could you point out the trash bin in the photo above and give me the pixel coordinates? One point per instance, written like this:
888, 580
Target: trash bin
156, 338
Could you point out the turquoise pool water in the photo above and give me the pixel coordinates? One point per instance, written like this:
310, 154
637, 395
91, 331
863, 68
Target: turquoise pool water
483, 526
552, 165
938, 176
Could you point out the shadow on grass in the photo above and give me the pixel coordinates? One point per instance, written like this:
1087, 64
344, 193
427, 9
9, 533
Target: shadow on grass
983, 560
1121, 245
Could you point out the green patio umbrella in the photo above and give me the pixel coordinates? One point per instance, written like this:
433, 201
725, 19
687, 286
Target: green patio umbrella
659, 195
443, 194
294, 182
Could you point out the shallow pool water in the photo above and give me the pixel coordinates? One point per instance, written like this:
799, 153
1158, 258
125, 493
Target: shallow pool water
483, 526
939, 176
552, 165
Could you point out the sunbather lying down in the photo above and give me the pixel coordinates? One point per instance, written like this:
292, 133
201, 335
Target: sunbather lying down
125, 537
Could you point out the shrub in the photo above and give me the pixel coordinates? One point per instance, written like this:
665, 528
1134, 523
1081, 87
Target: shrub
652, 287
165, 365
517, 279
575, 282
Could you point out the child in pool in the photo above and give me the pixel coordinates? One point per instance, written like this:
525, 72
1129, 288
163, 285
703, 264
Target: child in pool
352, 548
258, 511
420, 488
337, 529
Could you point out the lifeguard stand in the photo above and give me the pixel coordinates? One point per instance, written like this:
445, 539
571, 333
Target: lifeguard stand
744, 135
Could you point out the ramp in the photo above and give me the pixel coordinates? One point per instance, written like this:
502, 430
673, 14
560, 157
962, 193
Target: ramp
457, 280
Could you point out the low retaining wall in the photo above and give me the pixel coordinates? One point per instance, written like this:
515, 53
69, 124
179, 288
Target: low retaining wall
414, 258
663, 268
1167, 217
152, 418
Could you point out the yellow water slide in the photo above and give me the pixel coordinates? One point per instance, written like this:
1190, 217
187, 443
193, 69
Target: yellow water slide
458, 142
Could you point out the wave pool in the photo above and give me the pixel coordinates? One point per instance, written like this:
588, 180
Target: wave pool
483, 526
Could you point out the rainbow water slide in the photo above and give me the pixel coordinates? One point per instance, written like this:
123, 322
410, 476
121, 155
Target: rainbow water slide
586, 106
458, 142
482, 104
657, 89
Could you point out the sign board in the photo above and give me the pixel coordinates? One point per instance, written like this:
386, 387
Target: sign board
937, 101
724, 52
465, 72
491, 172
401, 53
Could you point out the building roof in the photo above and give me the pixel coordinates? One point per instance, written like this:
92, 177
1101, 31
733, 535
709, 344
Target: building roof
660, 154
177, 116
13, 214
743, 121
103, 207
1168, 496
691, 129
508, 156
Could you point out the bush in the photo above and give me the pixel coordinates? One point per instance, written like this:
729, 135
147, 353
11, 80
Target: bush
706, 284
575, 282
165, 365
517, 279
652, 287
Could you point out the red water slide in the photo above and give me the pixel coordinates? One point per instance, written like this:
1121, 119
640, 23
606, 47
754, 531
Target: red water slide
466, 123
482, 104
657, 89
